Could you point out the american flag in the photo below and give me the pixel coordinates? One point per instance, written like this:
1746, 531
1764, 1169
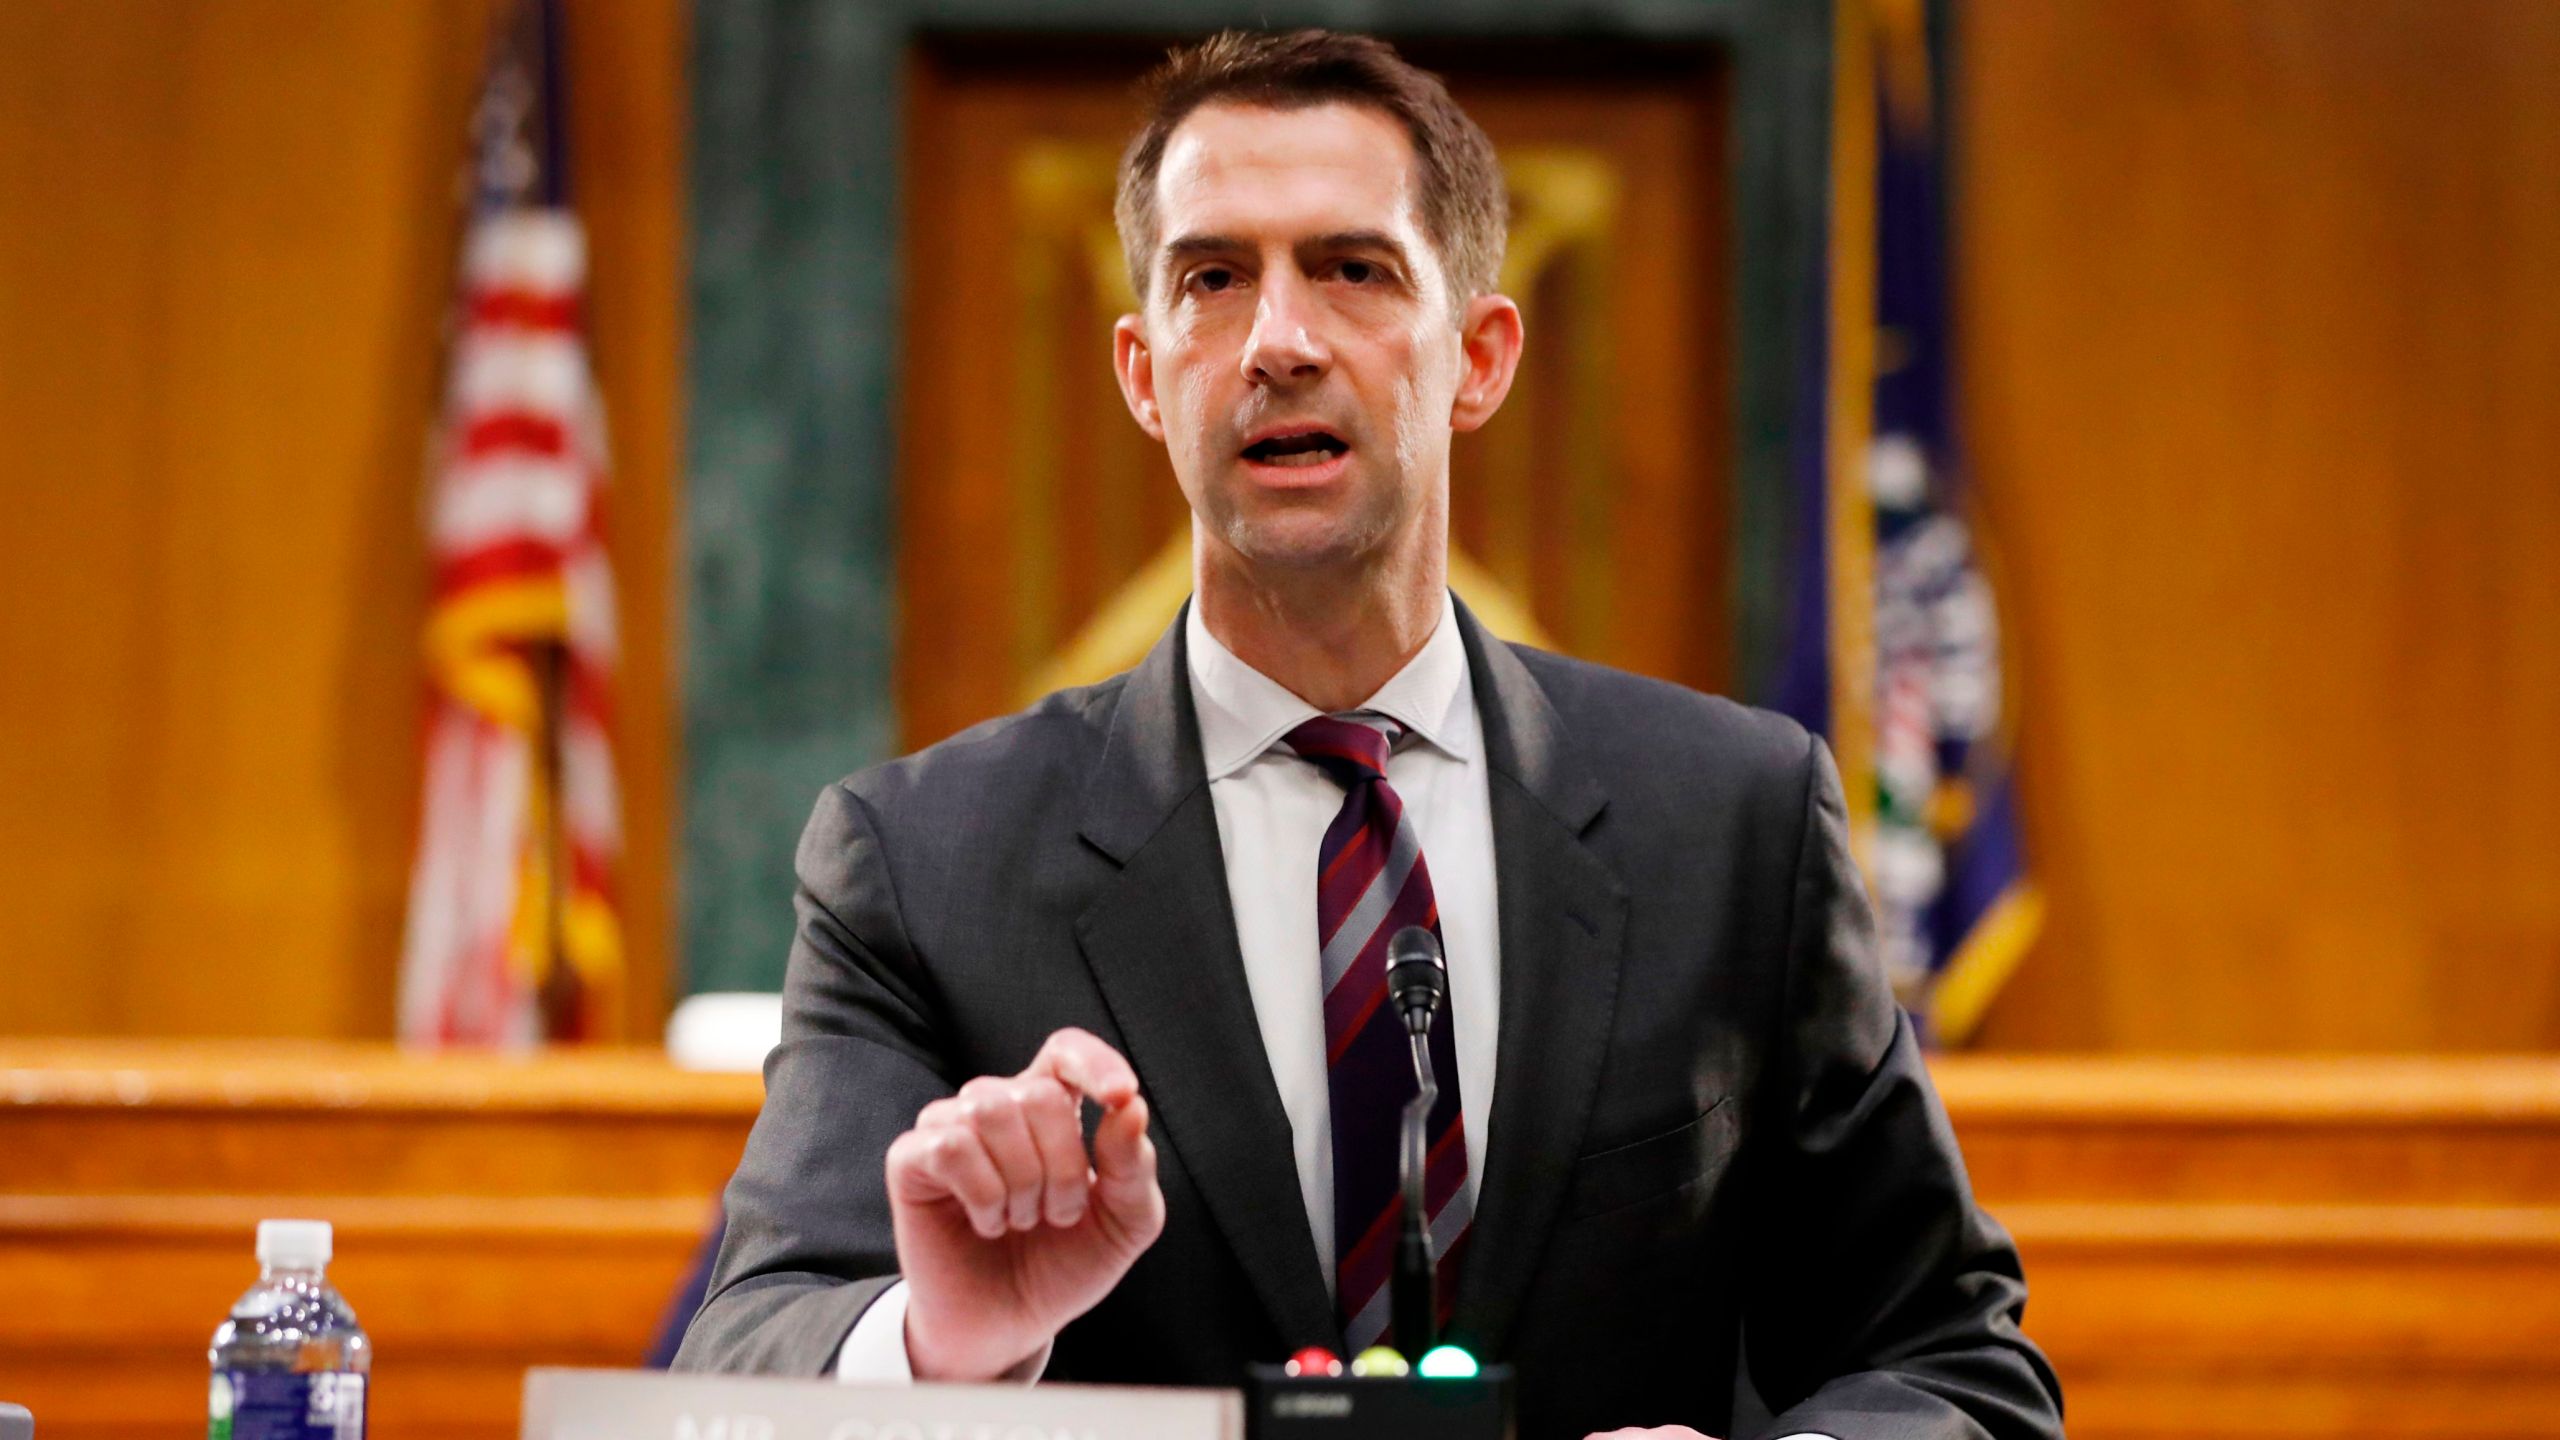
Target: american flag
513, 936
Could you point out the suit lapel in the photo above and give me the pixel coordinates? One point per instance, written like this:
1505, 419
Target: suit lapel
1563, 915
1160, 939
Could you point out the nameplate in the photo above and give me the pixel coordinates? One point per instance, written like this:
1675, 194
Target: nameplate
648, 1405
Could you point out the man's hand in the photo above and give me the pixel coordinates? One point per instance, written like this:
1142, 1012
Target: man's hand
1005, 1231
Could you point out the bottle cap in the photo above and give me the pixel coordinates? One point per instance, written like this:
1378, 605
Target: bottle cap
294, 1244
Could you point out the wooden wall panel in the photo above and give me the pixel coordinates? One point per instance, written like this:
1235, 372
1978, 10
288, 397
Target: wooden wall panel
631, 116
230, 242
490, 1215
2216, 1250
2228, 1248
2261, 314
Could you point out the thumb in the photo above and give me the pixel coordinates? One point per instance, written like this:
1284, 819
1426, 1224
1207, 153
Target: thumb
1124, 1163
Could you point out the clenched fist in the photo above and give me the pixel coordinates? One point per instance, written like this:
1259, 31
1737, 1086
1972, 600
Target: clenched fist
1006, 1229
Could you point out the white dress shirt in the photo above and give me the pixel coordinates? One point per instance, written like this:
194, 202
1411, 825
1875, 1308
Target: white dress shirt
1273, 809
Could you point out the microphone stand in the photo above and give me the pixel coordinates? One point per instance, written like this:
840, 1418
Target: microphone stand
1414, 1299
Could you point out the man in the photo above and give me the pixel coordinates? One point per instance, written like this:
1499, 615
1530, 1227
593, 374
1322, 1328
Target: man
1680, 1109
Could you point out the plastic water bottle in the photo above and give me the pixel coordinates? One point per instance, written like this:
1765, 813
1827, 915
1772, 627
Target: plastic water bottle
290, 1363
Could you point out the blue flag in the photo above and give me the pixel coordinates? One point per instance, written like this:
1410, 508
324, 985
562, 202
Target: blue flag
1893, 649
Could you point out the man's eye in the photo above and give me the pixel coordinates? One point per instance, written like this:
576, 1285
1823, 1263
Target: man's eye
1358, 272
1213, 279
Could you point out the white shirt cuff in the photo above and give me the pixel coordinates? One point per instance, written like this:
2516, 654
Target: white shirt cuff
875, 1351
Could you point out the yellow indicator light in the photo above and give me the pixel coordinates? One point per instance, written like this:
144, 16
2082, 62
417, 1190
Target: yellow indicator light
1448, 1362
1379, 1363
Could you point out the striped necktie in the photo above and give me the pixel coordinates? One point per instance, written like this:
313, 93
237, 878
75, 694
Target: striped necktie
1371, 883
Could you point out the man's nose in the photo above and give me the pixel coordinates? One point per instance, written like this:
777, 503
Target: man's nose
1285, 348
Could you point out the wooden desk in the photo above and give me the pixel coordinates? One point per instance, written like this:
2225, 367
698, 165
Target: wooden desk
2218, 1248
2281, 1248
491, 1214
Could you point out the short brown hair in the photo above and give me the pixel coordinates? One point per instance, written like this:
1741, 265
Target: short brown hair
1465, 211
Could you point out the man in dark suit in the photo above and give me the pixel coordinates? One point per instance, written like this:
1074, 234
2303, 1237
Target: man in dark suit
1682, 1117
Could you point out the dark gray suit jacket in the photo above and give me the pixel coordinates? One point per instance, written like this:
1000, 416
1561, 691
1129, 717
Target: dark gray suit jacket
1709, 1118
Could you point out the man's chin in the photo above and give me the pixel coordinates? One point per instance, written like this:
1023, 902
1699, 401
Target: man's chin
1302, 542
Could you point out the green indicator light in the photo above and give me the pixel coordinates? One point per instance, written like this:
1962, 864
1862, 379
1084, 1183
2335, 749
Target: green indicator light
1448, 1362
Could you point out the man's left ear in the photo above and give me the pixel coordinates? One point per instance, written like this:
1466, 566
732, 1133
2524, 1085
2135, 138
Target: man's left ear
1489, 335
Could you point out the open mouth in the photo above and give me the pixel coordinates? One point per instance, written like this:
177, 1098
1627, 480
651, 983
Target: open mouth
1296, 448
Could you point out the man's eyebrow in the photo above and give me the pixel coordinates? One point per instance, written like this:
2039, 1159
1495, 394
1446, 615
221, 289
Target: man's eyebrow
1193, 247
1377, 240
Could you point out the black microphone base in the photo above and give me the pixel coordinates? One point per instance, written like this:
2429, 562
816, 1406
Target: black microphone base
1281, 1406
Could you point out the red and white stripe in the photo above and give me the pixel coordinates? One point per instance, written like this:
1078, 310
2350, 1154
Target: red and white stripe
521, 830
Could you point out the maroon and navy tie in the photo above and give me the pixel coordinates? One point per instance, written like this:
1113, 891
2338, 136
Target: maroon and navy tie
1371, 883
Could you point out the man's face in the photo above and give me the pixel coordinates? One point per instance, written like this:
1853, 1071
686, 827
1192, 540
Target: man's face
1300, 353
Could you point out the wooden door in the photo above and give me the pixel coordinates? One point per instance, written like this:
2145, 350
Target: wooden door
1042, 538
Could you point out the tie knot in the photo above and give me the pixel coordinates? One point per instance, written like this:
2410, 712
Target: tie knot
1350, 749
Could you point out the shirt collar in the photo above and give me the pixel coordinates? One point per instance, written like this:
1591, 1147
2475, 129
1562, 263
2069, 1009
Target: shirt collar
1243, 712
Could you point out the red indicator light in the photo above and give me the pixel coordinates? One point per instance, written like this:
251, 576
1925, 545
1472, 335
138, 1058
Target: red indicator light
1315, 1362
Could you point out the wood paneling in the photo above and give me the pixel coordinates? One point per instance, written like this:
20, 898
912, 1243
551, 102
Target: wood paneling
2230, 1248
230, 243
630, 118
2261, 315
2280, 1248
490, 1215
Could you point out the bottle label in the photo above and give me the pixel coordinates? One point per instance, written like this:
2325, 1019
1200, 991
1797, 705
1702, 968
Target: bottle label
273, 1405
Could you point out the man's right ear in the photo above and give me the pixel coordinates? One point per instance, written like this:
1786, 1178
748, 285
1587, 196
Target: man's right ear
1135, 365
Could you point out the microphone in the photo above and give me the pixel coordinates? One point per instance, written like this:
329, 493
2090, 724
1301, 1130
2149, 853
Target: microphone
1418, 979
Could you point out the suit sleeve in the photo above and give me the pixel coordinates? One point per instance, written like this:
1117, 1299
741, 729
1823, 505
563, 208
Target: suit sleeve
1890, 1303
808, 1245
